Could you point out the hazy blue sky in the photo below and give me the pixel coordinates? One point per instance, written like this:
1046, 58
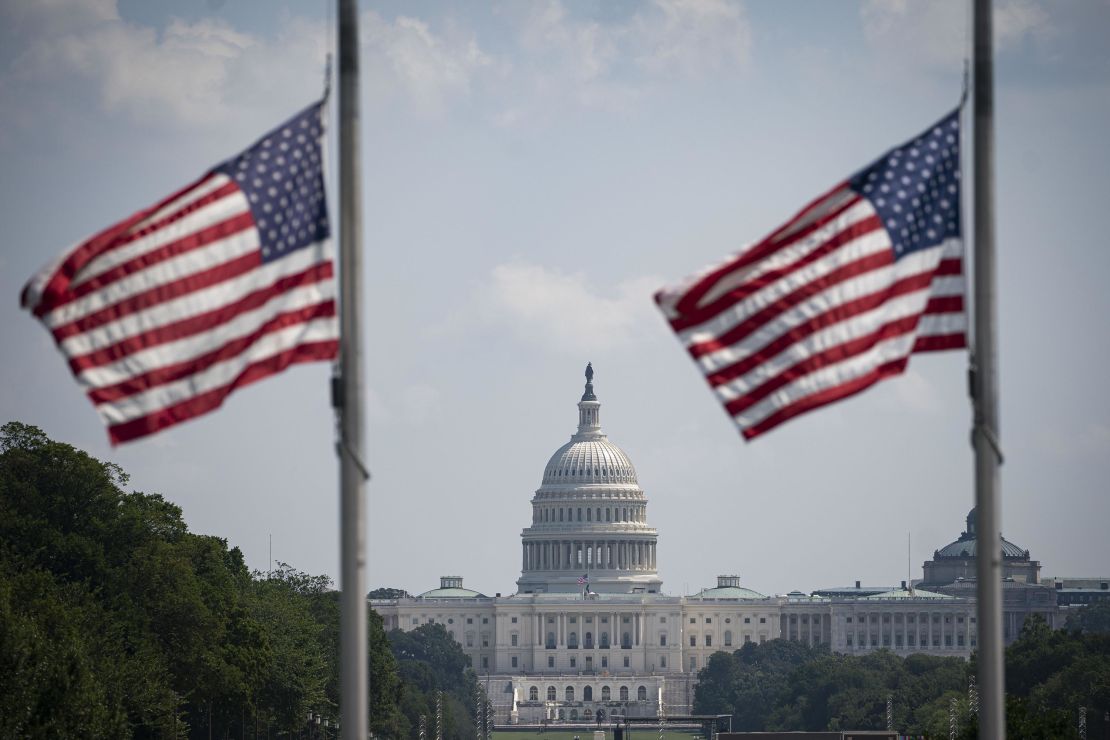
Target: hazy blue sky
533, 172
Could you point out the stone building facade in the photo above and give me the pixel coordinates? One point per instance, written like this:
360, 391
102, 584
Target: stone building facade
590, 634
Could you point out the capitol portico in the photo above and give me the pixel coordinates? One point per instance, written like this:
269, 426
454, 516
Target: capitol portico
590, 633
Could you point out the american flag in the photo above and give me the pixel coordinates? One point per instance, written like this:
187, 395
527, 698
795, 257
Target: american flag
583, 579
840, 296
223, 283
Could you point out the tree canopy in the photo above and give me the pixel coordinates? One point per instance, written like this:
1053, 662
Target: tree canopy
116, 621
1051, 676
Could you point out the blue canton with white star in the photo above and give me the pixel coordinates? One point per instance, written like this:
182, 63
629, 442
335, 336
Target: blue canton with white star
282, 177
915, 188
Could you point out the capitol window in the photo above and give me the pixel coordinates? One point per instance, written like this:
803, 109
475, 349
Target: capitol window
514, 661
624, 693
606, 694
551, 693
534, 694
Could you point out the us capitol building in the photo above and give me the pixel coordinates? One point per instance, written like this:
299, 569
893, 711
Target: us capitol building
590, 634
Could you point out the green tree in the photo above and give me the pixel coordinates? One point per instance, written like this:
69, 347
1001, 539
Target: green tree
430, 661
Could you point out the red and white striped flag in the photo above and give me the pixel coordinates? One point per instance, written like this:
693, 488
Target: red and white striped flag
219, 285
840, 296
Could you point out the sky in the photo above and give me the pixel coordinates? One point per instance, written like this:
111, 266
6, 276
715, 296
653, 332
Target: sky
532, 173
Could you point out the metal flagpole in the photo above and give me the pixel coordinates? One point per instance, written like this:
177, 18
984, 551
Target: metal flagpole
988, 455
347, 394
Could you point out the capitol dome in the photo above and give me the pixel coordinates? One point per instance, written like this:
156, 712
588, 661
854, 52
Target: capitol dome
589, 529
589, 461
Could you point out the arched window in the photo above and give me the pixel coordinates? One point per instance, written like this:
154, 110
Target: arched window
728, 638
604, 640
624, 693
560, 513
641, 693
573, 715
570, 693
579, 513
626, 641
534, 693
607, 512
606, 694
550, 641
572, 640
551, 693
588, 693
588, 640
587, 714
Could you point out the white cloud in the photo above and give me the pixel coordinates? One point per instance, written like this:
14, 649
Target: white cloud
405, 56
692, 37
937, 33
564, 312
205, 72
611, 64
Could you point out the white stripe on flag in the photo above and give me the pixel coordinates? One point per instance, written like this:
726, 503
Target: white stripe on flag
790, 253
838, 334
218, 375
868, 283
829, 376
194, 303
189, 348
204, 217
213, 255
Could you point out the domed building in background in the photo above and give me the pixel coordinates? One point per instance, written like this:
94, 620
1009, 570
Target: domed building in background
956, 561
590, 634
589, 517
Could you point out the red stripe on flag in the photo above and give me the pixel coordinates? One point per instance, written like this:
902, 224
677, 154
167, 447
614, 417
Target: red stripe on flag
689, 302
57, 286
162, 293
201, 322
950, 266
205, 402
803, 293
945, 304
742, 291
200, 363
195, 240
940, 342
827, 396
831, 356
829, 318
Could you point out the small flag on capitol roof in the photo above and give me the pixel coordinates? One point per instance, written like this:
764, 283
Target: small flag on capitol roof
222, 283
840, 296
